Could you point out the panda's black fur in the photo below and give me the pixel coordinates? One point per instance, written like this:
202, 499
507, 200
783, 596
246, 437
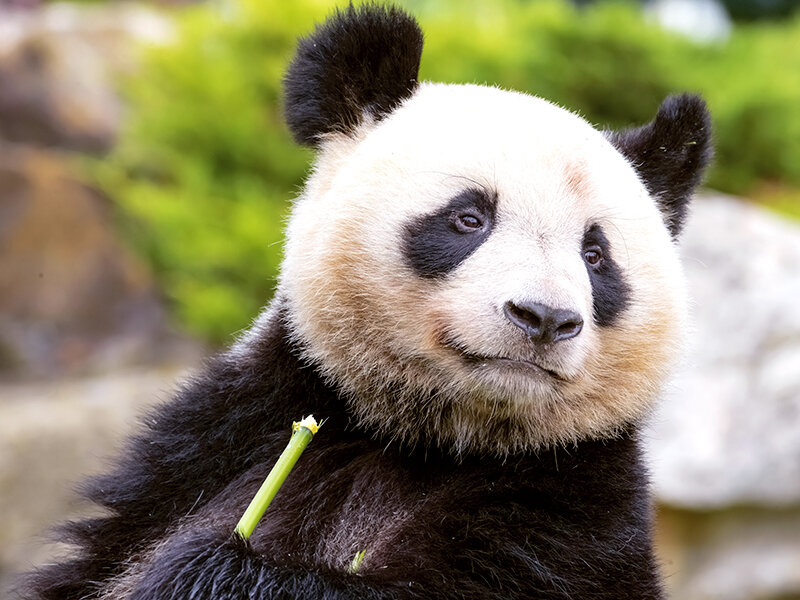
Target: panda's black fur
561, 523
362, 60
566, 524
670, 154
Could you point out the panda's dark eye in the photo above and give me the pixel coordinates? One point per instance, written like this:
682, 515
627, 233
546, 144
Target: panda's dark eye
438, 242
467, 222
593, 255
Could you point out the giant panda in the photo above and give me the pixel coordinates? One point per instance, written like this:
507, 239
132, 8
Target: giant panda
481, 296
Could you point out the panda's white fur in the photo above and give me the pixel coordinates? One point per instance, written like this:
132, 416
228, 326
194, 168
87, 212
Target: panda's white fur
387, 336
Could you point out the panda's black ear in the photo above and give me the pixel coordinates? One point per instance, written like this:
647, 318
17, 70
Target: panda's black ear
670, 154
361, 61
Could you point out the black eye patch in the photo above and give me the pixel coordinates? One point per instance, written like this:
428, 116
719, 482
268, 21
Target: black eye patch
610, 292
435, 244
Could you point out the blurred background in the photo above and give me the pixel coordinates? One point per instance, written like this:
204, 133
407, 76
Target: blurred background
145, 173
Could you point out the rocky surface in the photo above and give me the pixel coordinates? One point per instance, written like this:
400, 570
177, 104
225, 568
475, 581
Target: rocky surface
737, 553
53, 434
725, 446
57, 65
729, 431
74, 298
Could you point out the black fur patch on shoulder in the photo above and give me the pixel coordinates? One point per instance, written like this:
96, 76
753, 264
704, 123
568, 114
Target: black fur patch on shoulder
361, 60
209, 564
610, 292
482, 529
437, 243
670, 154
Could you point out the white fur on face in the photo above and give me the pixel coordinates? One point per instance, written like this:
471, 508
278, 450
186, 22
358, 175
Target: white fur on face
395, 343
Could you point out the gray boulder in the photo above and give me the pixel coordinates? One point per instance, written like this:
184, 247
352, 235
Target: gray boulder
724, 447
728, 431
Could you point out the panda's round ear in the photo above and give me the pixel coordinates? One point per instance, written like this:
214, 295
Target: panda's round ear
361, 62
670, 154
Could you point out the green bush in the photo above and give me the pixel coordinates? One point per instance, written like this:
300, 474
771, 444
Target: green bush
205, 168
753, 87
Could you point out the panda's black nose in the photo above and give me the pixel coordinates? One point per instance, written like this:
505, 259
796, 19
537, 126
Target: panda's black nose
544, 324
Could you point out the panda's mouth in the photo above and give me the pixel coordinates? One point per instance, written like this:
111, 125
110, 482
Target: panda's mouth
481, 360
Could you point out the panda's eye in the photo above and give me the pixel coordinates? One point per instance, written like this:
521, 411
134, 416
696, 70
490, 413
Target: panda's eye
467, 222
593, 255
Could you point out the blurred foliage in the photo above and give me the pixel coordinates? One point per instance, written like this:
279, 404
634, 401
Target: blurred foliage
205, 167
760, 9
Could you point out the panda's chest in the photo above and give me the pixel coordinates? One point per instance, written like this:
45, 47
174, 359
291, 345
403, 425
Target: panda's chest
340, 502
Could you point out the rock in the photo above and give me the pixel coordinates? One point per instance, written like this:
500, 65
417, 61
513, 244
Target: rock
74, 299
52, 435
725, 445
727, 432
735, 554
56, 70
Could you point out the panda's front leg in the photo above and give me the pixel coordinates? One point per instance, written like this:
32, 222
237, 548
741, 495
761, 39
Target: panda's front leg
209, 564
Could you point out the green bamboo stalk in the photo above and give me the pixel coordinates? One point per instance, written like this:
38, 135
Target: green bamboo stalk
355, 565
303, 433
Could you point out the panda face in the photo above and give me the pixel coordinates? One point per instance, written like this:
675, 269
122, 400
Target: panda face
478, 269
492, 255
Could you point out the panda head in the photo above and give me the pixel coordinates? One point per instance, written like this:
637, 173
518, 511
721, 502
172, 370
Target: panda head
478, 269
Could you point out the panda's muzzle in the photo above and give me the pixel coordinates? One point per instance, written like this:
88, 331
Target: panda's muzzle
544, 324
